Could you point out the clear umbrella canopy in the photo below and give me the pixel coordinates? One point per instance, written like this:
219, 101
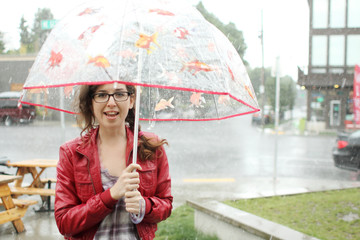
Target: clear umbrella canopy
188, 68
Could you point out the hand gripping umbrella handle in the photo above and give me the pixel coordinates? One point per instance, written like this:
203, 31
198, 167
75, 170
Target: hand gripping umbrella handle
137, 218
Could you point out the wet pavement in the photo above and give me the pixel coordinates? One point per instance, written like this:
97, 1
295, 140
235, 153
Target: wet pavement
41, 225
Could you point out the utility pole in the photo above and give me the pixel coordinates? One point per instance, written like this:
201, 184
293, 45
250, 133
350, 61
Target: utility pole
277, 112
262, 85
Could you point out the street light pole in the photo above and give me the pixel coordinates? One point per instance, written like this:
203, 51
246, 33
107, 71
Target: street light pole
277, 111
262, 86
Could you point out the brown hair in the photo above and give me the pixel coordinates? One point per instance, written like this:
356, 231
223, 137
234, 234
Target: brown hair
86, 120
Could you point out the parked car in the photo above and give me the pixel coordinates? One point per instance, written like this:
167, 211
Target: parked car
10, 112
268, 116
346, 153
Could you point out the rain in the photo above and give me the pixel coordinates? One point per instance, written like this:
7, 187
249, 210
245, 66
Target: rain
298, 67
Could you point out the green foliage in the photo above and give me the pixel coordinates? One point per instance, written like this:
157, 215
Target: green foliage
287, 92
233, 34
180, 226
25, 37
325, 215
31, 41
2, 44
39, 35
255, 76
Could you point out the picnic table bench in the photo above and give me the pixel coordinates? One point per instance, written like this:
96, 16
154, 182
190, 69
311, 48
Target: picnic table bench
15, 209
37, 186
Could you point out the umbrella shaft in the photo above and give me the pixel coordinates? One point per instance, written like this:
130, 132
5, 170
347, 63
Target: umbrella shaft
136, 124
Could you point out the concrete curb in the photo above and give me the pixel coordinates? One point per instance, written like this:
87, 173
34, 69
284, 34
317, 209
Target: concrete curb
215, 218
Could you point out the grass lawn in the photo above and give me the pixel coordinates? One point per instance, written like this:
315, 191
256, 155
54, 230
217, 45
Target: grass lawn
324, 215
180, 226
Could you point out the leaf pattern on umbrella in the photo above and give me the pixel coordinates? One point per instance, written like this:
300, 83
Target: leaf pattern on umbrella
181, 32
144, 42
55, 59
196, 66
169, 44
88, 11
99, 61
164, 104
89, 31
197, 99
161, 12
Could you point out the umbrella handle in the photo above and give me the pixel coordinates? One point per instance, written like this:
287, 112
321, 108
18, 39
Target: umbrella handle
137, 218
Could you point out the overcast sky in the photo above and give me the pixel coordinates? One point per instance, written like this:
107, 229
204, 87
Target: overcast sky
285, 23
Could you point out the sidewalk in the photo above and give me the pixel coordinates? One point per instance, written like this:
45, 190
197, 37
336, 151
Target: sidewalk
42, 226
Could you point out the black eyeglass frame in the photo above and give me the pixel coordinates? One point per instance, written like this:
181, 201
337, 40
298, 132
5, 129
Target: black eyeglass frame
111, 95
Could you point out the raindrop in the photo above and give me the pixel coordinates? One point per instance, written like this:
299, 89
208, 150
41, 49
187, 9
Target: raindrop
151, 125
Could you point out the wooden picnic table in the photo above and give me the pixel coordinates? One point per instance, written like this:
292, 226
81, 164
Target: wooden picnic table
37, 185
15, 209
29, 166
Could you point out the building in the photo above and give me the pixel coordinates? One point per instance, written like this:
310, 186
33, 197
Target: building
14, 71
334, 50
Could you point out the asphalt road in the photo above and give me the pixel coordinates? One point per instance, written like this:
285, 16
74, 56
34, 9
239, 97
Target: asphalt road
231, 148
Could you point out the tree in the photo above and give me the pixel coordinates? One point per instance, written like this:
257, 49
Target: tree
233, 34
38, 35
25, 38
255, 77
2, 44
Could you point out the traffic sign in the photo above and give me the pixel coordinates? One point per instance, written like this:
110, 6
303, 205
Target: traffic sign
48, 24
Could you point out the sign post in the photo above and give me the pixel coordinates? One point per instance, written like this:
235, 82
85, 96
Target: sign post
356, 95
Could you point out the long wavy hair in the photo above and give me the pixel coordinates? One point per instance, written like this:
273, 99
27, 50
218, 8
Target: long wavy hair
86, 120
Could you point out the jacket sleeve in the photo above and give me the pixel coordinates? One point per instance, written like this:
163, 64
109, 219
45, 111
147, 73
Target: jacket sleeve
71, 214
161, 201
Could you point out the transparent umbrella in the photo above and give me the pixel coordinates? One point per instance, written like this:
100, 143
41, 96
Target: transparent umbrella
187, 68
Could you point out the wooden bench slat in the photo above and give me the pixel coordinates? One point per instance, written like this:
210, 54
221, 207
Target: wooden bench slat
32, 191
21, 202
12, 214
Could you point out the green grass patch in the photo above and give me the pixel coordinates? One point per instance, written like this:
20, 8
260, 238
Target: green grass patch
325, 215
180, 226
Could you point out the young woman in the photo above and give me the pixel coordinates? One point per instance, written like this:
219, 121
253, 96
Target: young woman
97, 185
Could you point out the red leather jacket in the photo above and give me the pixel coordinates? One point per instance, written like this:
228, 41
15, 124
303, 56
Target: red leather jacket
81, 202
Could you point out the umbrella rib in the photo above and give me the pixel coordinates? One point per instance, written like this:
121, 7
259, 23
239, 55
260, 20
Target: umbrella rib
107, 73
216, 107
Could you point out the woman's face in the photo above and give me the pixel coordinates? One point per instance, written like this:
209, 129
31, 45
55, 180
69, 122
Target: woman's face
111, 113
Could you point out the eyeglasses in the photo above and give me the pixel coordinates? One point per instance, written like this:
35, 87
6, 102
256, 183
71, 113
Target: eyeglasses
104, 97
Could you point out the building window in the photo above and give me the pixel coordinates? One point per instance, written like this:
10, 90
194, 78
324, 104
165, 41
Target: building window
319, 50
337, 13
336, 50
353, 50
353, 13
320, 14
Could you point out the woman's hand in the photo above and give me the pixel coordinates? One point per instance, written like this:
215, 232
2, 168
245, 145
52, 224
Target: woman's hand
127, 182
133, 199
